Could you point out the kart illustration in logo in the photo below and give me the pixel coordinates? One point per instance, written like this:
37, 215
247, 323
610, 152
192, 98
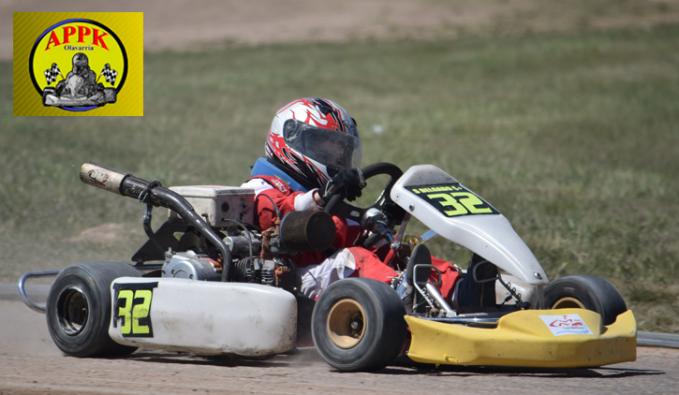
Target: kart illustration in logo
85, 46
80, 87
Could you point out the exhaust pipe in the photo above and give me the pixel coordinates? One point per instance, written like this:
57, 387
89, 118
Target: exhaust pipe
159, 196
101, 177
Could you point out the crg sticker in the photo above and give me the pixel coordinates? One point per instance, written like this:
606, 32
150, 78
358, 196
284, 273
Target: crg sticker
566, 324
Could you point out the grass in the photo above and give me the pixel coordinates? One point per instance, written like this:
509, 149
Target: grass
571, 135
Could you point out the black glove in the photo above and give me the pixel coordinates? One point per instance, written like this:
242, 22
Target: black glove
347, 182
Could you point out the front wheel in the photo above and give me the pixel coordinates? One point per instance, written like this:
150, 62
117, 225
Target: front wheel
79, 309
585, 292
358, 325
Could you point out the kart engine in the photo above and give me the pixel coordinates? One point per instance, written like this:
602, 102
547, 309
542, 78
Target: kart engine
211, 233
256, 257
250, 269
191, 266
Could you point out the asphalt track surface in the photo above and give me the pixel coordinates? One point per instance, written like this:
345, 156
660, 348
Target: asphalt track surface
31, 364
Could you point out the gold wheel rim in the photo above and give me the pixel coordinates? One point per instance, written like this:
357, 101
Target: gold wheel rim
346, 323
568, 302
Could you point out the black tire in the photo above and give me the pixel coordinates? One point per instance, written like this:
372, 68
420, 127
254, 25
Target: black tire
589, 292
378, 332
79, 309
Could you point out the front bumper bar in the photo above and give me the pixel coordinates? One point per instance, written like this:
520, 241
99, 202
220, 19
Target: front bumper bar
563, 338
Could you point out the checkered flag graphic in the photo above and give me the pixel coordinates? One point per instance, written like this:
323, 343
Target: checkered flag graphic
52, 73
109, 74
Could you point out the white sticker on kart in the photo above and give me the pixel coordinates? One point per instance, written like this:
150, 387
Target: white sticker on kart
566, 324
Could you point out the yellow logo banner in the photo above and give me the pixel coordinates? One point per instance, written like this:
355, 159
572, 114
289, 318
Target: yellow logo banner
78, 64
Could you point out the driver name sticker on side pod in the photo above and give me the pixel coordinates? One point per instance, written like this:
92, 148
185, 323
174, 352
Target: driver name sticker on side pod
566, 324
453, 199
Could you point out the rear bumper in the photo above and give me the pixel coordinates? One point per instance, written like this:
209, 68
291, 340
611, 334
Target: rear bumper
527, 338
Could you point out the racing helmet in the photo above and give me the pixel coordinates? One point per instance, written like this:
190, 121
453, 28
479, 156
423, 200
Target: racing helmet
311, 139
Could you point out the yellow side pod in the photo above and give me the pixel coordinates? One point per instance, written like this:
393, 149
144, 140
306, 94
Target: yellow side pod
525, 339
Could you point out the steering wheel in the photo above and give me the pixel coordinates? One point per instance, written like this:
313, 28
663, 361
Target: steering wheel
395, 214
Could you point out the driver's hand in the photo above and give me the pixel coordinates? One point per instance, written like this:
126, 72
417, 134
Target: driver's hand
348, 183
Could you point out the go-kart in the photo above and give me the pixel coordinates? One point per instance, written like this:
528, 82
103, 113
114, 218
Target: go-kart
209, 282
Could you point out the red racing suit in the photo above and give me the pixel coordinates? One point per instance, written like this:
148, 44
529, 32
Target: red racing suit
350, 261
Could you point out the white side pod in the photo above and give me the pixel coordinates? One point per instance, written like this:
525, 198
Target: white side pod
200, 317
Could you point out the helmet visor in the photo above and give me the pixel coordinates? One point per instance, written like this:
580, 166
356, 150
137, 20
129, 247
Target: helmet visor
333, 149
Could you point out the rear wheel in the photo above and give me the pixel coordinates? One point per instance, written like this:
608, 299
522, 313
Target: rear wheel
79, 309
358, 325
585, 292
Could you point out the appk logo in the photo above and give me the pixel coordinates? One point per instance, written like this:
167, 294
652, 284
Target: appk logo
82, 89
79, 64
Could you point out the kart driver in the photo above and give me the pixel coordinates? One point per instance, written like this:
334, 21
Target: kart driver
313, 151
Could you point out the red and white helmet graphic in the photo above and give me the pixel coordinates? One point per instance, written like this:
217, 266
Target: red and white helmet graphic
312, 139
